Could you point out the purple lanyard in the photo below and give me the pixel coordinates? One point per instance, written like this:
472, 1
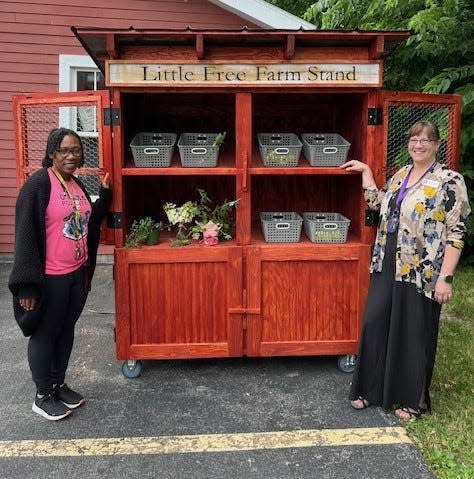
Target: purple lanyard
402, 192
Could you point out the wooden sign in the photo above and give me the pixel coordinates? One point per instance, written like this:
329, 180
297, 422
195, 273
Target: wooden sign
125, 73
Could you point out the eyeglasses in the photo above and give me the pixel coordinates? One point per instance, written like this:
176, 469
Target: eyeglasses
423, 141
64, 151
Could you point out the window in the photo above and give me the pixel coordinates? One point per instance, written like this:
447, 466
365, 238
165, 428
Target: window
79, 73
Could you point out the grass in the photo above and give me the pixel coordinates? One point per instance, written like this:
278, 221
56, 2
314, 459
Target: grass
446, 437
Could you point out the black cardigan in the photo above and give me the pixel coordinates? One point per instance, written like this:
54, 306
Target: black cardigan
27, 275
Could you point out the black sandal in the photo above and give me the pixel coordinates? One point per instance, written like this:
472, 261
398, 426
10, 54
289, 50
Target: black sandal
365, 404
413, 414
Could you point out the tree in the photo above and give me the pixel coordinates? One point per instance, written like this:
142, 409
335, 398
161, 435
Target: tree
436, 58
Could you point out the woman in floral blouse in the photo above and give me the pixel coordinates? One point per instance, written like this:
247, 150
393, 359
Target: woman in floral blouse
423, 215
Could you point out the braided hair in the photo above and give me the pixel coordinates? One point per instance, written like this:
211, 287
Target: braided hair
55, 138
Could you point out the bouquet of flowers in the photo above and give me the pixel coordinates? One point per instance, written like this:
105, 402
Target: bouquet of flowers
199, 221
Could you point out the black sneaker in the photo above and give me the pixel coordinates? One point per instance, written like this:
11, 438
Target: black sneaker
50, 408
68, 397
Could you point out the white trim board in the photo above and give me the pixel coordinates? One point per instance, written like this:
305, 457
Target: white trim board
67, 64
264, 14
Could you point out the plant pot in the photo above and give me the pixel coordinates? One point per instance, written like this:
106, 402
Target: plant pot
153, 237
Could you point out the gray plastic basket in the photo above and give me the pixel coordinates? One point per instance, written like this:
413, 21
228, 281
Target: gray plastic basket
196, 149
279, 149
281, 227
326, 227
153, 149
325, 149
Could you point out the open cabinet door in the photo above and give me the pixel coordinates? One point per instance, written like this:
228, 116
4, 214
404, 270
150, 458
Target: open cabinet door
401, 109
87, 113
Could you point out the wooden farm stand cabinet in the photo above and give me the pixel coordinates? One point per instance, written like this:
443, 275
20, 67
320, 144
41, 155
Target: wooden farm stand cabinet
245, 297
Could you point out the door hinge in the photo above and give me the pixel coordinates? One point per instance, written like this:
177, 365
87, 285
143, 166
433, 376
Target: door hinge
114, 220
374, 116
111, 116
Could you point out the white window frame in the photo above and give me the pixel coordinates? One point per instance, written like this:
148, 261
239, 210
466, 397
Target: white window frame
68, 65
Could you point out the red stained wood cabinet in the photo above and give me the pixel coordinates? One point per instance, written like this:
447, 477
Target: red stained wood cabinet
244, 297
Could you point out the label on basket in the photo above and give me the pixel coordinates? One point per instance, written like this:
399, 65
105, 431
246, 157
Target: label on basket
327, 236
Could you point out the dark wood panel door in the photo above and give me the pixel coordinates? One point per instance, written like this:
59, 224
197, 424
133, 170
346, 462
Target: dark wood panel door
179, 302
305, 302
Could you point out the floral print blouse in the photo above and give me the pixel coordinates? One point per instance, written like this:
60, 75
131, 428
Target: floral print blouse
433, 213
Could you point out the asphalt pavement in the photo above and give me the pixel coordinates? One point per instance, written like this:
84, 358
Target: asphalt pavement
275, 418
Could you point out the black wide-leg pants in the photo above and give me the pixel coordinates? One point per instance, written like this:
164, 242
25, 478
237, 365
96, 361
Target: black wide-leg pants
398, 341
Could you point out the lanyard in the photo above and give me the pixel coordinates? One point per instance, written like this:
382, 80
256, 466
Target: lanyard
76, 205
402, 192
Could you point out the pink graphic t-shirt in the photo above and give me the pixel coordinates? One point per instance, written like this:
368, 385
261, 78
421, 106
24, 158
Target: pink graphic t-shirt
67, 221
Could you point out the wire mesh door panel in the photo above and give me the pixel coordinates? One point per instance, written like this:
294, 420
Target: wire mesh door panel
401, 114
34, 119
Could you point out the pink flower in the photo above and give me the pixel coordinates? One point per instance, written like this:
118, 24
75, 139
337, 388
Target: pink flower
210, 234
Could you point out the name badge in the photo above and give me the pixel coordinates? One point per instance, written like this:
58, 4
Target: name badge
432, 183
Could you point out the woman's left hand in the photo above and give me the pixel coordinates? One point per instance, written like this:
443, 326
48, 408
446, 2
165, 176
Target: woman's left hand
443, 291
105, 181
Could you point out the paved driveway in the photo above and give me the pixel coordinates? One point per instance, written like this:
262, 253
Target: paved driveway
246, 418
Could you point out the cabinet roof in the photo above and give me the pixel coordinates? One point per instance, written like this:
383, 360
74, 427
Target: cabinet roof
104, 44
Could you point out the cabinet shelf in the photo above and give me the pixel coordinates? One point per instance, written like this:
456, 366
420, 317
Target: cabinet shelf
298, 170
225, 166
304, 242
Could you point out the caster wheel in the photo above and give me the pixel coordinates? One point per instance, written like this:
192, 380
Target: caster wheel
131, 369
347, 363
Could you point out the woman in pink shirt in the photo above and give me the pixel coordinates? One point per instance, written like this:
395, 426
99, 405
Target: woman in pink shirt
57, 231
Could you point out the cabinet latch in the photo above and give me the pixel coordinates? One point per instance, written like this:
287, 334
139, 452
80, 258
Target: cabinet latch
375, 116
111, 116
114, 219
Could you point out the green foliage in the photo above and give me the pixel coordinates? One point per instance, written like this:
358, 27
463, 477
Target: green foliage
219, 139
436, 58
296, 7
444, 437
221, 215
140, 232
192, 219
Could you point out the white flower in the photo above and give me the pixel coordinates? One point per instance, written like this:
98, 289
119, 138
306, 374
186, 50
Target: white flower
180, 214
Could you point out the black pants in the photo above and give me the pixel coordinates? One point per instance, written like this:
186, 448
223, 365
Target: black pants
49, 348
398, 341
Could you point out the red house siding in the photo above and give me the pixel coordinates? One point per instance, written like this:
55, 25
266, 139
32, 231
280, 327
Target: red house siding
32, 35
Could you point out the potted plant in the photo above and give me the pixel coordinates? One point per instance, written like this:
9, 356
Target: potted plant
144, 231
